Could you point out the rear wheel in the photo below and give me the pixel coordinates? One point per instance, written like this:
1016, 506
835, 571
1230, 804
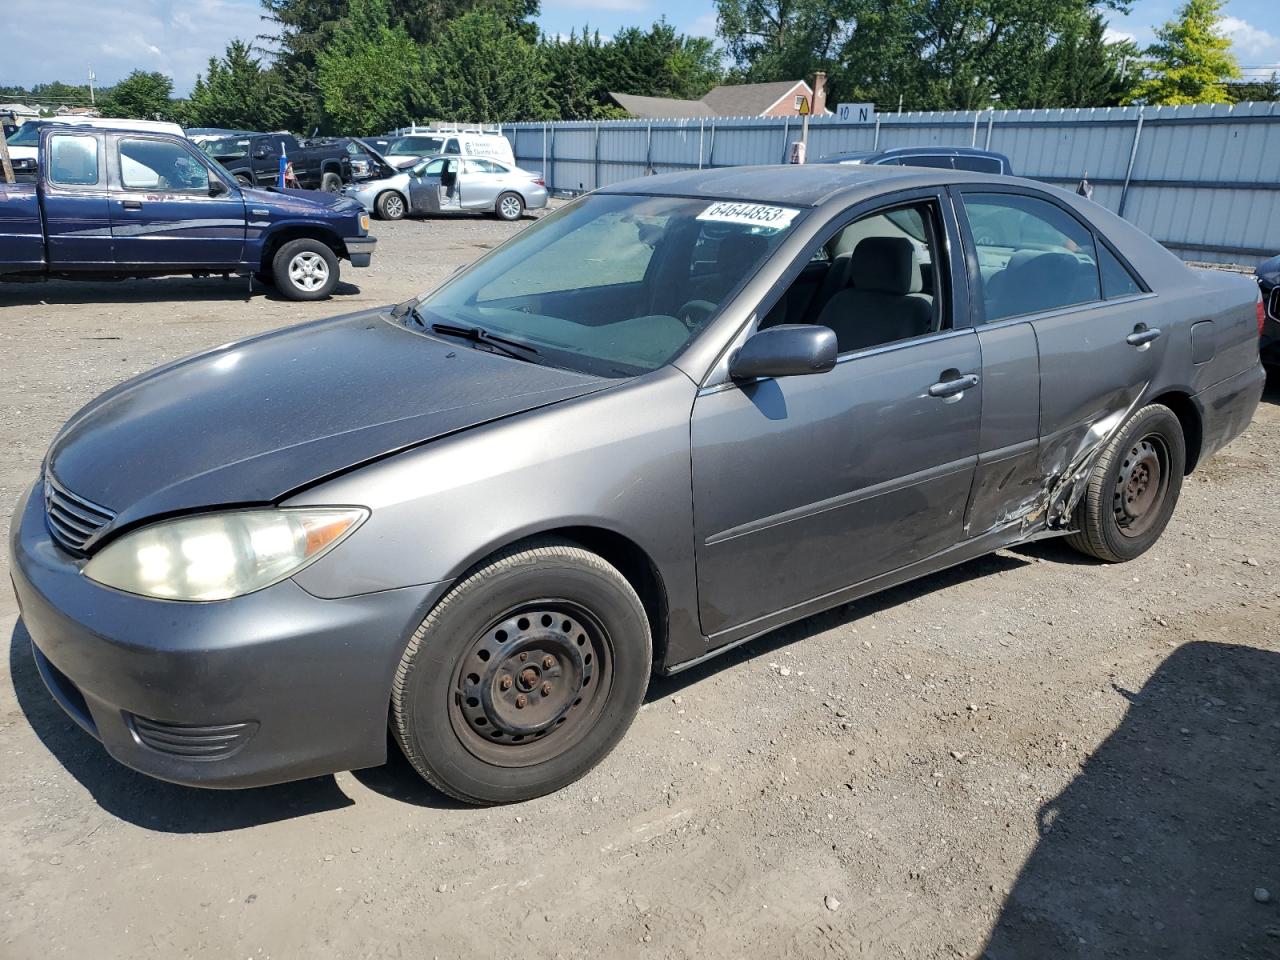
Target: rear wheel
331, 183
390, 205
1133, 489
510, 206
524, 676
305, 269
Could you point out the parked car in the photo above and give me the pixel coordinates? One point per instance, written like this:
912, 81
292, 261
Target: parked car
366, 162
945, 158
114, 203
407, 150
453, 185
1268, 275
255, 161
23, 143
202, 135
675, 414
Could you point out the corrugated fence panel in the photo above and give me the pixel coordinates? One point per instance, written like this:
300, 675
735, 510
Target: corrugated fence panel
1204, 179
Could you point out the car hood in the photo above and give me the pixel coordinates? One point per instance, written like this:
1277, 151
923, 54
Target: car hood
302, 200
252, 421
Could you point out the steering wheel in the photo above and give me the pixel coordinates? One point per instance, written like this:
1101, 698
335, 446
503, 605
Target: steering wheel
695, 312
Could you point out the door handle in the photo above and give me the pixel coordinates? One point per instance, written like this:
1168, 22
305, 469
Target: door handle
953, 387
131, 204
1142, 335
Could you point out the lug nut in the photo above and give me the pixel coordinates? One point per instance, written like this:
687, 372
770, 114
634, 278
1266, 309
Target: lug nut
521, 702
524, 656
506, 683
546, 689
548, 663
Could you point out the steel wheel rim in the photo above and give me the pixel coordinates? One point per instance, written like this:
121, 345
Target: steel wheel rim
308, 271
552, 656
510, 207
394, 207
1141, 485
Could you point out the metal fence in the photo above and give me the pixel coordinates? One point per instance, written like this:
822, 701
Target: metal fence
1204, 180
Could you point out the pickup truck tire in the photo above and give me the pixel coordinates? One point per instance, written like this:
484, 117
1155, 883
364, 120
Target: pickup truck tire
1133, 488
510, 206
331, 183
305, 269
390, 205
524, 676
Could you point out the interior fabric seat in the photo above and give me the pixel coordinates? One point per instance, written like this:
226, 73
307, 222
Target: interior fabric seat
1036, 281
883, 302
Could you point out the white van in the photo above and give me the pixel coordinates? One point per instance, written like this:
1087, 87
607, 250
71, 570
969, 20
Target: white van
25, 141
408, 149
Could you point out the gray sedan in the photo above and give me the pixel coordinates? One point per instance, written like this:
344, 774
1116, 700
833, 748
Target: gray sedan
675, 414
453, 185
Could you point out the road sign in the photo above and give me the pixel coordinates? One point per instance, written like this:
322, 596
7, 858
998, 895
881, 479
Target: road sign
803, 105
856, 113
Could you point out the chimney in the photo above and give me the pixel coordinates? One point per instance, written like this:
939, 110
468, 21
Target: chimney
819, 94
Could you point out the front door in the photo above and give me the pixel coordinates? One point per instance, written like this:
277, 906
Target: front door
434, 186
161, 212
806, 485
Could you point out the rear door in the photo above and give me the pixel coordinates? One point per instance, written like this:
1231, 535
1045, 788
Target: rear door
77, 212
481, 181
162, 213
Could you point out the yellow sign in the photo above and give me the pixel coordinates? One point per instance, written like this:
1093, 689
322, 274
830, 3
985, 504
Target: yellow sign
804, 106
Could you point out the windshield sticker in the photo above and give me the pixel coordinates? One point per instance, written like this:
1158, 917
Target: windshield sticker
749, 214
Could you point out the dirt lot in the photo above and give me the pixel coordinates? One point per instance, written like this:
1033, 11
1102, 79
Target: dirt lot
1032, 756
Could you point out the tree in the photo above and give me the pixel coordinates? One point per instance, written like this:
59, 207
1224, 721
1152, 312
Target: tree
1191, 60
1257, 91
659, 62
1080, 68
371, 74
240, 93
481, 70
140, 96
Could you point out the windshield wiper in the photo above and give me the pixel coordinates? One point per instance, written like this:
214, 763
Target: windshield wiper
512, 348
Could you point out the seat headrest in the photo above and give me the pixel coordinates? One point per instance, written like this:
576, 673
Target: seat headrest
886, 265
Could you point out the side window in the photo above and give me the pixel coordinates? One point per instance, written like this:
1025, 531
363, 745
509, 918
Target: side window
927, 160
160, 165
73, 160
475, 165
451, 146
885, 281
1032, 254
978, 164
1117, 281
432, 169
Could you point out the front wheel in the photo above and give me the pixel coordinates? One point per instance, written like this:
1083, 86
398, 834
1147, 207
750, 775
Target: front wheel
510, 206
1133, 488
390, 206
305, 270
524, 676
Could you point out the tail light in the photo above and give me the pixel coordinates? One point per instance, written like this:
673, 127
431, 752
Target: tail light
1262, 315
538, 181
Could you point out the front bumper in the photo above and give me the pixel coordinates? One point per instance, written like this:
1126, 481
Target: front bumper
360, 250
272, 686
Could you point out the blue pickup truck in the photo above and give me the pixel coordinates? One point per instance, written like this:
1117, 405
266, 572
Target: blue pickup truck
110, 203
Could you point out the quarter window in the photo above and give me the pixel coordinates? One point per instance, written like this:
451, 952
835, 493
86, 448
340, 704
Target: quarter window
73, 160
1033, 255
1117, 281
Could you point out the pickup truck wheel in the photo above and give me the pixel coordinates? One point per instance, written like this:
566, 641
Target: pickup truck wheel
305, 270
510, 206
390, 205
524, 676
331, 183
1134, 486
243, 180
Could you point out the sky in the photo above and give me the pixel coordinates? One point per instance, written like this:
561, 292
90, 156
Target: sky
61, 39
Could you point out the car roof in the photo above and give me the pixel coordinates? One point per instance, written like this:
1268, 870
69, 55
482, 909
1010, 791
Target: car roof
800, 185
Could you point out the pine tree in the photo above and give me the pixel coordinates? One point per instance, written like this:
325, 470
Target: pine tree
1191, 60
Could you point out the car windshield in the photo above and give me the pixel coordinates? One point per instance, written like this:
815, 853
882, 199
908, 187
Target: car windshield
614, 285
27, 135
416, 146
228, 149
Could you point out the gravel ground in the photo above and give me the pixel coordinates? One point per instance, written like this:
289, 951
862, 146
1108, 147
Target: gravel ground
1031, 756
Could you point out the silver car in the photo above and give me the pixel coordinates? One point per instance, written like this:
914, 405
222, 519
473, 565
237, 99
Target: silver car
453, 185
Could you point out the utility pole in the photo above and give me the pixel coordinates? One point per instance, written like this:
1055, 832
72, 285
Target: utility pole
92, 78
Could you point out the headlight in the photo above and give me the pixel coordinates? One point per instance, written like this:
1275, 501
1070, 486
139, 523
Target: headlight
220, 555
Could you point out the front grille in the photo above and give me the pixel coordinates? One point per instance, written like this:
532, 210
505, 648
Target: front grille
73, 520
212, 741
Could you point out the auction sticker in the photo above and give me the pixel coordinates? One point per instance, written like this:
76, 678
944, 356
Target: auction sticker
749, 214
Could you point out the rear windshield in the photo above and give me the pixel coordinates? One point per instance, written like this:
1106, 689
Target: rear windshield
27, 135
615, 285
416, 146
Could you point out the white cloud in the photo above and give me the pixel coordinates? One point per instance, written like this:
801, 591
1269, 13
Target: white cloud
1250, 41
1118, 36
704, 26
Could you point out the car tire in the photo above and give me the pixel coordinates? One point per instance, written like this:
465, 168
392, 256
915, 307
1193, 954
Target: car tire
1133, 487
331, 183
510, 206
305, 269
244, 180
524, 676
390, 205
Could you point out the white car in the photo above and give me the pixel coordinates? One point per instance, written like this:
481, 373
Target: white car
407, 150
453, 185
24, 143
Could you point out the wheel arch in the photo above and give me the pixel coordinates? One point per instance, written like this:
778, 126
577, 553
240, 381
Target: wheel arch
1184, 409
278, 238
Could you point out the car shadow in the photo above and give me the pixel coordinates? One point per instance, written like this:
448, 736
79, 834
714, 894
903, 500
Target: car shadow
150, 290
1271, 393
145, 801
1156, 848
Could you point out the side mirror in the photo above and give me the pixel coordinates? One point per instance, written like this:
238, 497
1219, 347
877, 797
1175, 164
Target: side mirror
216, 187
260, 154
789, 350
